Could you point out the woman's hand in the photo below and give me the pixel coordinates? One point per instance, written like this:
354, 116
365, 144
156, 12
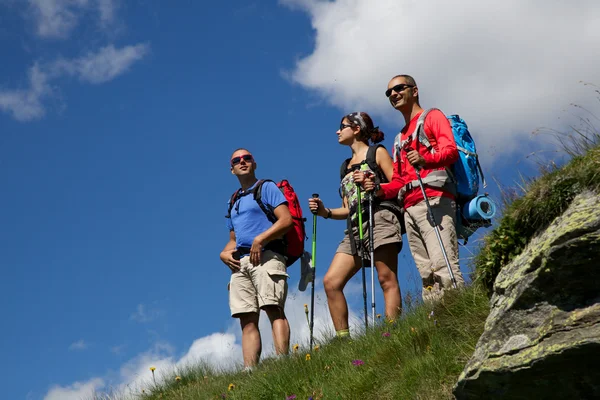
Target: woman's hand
316, 206
365, 179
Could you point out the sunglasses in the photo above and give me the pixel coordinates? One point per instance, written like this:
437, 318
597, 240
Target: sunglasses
397, 89
344, 126
237, 160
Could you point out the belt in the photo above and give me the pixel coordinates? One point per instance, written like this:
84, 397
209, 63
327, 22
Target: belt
244, 251
275, 246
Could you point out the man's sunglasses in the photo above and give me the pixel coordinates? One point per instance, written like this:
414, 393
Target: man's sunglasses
245, 157
397, 89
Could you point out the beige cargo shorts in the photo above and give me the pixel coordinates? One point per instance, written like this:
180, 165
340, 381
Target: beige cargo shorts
386, 230
254, 287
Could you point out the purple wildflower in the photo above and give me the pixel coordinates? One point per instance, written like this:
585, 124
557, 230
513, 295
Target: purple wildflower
357, 362
385, 334
291, 397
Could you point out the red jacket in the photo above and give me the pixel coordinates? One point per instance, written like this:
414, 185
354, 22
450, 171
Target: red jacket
439, 132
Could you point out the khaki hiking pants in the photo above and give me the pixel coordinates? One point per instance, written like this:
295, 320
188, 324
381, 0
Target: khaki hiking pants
425, 247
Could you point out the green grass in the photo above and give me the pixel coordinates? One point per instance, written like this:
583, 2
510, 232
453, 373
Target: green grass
420, 359
545, 199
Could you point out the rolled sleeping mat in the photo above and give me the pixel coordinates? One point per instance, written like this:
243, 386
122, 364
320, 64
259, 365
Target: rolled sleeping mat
479, 208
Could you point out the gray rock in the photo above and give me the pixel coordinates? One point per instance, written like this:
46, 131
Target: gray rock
542, 337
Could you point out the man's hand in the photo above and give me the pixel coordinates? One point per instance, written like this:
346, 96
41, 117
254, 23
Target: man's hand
415, 158
227, 258
256, 251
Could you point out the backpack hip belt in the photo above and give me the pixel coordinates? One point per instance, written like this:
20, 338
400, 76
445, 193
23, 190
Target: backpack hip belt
438, 179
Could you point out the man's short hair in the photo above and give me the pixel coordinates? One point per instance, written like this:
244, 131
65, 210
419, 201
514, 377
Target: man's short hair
241, 148
409, 79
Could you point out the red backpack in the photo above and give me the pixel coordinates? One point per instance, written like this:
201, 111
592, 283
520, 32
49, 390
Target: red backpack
294, 238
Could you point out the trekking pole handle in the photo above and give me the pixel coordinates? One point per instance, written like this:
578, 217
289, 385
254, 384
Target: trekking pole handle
416, 167
315, 196
370, 174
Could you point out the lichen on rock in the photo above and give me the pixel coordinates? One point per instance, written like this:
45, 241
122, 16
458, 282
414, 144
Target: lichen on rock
542, 337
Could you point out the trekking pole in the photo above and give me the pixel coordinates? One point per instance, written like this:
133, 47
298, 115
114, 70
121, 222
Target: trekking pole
372, 254
435, 227
362, 253
314, 272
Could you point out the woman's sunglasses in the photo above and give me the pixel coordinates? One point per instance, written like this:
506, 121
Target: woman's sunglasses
237, 160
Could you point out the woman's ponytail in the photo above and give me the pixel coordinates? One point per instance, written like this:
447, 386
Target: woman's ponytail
376, 135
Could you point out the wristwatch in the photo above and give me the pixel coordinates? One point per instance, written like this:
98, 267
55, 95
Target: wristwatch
377, 188
328, 213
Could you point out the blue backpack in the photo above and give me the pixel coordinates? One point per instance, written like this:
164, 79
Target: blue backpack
462, 178
467, 170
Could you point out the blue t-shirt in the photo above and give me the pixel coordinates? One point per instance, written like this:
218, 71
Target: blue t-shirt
247, 218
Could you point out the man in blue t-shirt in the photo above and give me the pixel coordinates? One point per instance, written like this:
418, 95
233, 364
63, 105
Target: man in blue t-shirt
253, 253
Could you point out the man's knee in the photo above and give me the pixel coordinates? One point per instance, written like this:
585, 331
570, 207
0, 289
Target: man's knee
248, 320
274, 312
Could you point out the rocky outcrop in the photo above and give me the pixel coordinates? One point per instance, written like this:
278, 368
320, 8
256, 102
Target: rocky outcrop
542, 337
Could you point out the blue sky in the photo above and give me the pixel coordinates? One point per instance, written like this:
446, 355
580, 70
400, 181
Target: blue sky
117, 120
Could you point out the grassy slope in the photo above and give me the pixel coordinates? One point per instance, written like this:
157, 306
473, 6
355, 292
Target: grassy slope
545, 199
420, 359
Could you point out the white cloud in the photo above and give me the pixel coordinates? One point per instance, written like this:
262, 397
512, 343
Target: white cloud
95, 67
57, 18
221, 351
107, 10
76, 391
26, 104
78, 345
220, 348
507, 67
117, 349
105, 64
143, 314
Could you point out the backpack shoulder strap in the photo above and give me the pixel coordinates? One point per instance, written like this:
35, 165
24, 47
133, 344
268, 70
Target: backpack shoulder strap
234, 197
419, 132
344, 168
397, 146
257, 193
371, 158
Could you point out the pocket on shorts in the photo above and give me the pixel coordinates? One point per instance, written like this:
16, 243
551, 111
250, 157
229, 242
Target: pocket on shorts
387, 216
391, 219
276, 274
279, 282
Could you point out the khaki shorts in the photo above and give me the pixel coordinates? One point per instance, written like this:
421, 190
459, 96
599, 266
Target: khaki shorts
254, 287
386, 230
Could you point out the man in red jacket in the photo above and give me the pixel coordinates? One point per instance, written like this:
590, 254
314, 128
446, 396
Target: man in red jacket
432, 160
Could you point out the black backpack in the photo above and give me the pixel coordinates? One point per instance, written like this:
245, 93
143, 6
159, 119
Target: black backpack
391, 204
